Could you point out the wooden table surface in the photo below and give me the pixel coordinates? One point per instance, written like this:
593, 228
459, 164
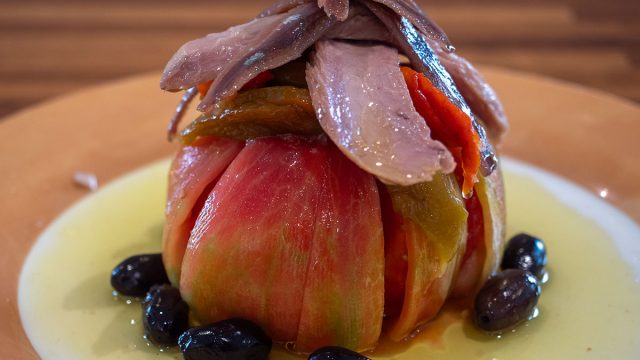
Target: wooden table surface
51, 47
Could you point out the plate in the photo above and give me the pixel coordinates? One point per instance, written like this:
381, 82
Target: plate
591, 246
584, 135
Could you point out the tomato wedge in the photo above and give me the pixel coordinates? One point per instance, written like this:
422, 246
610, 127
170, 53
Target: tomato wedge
470, 272
448, 124
194, 171
425, 233
291, 238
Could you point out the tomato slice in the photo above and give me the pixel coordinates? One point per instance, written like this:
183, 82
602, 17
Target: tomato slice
469, 275
194, 171
291, 238
426, 233
395, 255
475, 225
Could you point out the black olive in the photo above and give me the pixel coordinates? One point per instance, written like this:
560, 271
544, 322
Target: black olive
525, 252
164, 315
233, 339
137, 274
506, 299
336, 353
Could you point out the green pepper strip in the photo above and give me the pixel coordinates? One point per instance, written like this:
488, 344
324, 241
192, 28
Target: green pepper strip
259, 112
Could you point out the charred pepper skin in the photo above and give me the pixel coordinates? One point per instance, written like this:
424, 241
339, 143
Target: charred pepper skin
135, 275
233, 339
506, 300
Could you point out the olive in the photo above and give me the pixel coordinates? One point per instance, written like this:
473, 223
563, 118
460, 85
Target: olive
506, 299
233, 339
336, 353
164, 315
525, 252
137, 274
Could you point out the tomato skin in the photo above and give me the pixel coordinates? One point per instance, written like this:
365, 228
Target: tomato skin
395, 255
291, 238
194, 171
425, 235
475, 225
470, 272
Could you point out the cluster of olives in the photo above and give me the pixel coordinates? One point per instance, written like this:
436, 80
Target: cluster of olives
165, 317
510, 297
504, 301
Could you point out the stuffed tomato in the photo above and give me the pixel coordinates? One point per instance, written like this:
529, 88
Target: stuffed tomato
341, 182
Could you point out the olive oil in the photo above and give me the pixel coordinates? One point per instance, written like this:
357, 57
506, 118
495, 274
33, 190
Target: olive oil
588, 308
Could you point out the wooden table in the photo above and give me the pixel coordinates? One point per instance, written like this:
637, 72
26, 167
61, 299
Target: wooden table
50, 47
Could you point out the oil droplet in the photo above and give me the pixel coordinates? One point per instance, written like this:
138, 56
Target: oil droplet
448, 47
545, 277
535, 313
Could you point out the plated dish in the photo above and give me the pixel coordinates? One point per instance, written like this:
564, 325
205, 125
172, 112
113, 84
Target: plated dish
66, 113
605, 192
340, 186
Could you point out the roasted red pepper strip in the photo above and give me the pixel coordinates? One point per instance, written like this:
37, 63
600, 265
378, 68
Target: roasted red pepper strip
256, 82
448, 124
203, 88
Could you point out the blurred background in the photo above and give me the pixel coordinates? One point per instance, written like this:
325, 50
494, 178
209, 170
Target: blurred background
50, 47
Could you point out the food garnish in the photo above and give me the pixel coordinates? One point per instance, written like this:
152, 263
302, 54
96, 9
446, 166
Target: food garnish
135, 275
510, 297
525, 252
336, 353
164, 315
233, 339
506, 300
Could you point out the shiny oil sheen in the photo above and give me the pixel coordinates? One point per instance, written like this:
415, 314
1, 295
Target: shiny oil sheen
588, 308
